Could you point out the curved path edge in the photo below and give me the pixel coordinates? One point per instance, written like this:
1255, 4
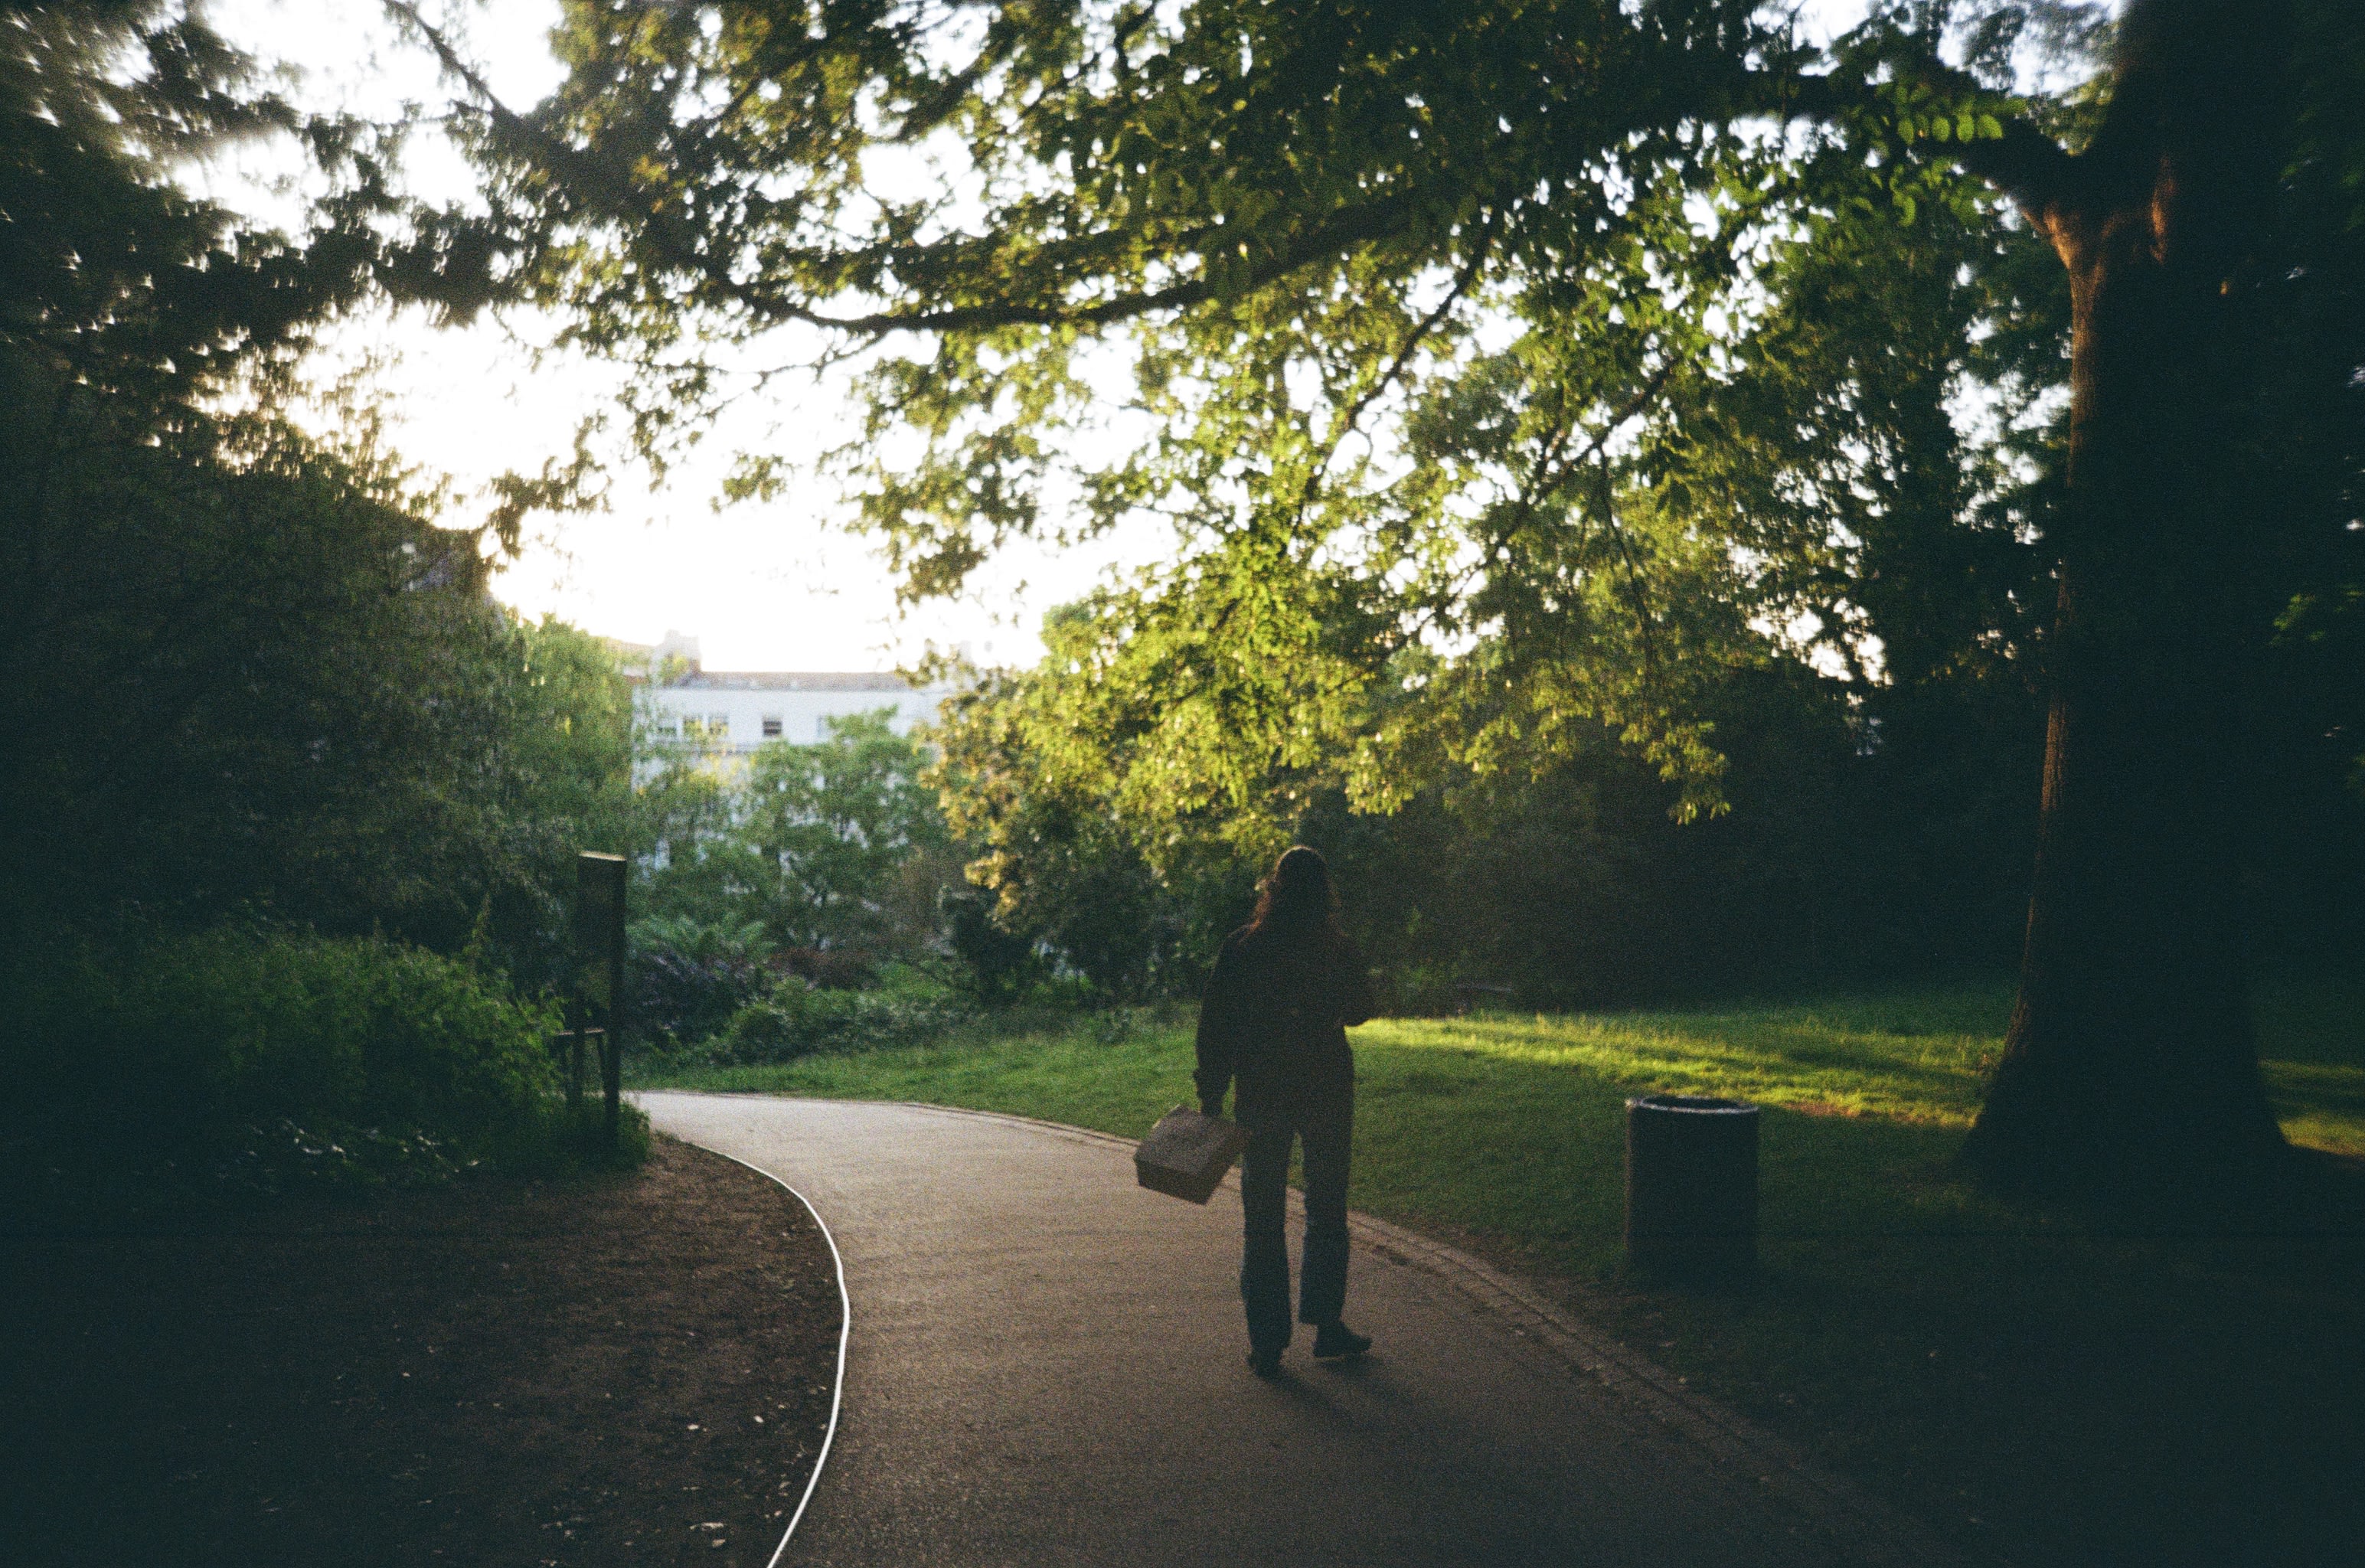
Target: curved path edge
1867, 1527
844, 1336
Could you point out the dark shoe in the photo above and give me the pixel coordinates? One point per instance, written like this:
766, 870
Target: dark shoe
1265, 1363
1337, 1342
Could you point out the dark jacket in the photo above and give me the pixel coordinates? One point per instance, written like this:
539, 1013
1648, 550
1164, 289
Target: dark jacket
1275, 1018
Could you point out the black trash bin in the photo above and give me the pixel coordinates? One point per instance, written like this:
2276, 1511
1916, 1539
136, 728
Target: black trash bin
1691, 1186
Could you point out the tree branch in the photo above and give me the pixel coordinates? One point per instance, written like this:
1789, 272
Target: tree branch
1634, 589
1346, 227
1349, 227
1413, 339
2026, 165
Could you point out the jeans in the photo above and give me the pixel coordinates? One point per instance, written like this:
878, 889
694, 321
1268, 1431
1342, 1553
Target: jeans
1325, 1123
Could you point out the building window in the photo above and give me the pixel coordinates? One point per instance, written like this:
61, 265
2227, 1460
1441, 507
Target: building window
771, 726
718, 726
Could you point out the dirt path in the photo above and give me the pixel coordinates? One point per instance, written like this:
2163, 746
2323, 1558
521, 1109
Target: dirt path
1047, 1368
629, 1371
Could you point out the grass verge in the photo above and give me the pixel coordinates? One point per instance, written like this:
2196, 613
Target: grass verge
2021, 1377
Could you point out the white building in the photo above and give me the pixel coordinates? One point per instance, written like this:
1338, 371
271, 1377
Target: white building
739, 711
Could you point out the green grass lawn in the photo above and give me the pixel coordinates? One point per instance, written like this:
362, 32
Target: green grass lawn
2011, 1373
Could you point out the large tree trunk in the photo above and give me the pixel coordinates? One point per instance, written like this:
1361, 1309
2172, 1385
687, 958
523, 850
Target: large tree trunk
2130, 1068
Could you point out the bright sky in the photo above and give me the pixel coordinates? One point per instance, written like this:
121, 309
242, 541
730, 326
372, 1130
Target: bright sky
764, 586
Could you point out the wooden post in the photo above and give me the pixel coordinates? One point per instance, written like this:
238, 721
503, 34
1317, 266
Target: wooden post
599, 882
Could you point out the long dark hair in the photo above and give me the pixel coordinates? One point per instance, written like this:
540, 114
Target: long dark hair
1296, 902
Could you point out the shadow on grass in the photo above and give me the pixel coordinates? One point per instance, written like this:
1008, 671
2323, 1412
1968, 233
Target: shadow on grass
2013, 1374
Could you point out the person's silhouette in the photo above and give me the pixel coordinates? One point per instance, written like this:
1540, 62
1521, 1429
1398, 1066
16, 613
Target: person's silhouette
1274, 1020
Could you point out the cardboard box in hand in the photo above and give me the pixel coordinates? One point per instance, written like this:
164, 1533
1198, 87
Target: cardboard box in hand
1186, 1154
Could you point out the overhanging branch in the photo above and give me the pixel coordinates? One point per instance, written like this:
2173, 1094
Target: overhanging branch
2024, 163
1345, 228
2028, 165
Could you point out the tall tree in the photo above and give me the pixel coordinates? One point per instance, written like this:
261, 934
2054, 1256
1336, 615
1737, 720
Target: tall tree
830, 824
2129, 1043
1516, 330
240, 665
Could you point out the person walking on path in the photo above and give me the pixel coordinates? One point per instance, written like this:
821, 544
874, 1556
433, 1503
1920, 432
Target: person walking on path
1285, 988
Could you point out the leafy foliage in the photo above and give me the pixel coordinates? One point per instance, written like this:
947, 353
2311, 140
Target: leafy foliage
256, 677
833, 827
1506, 373
688, 979
241, 667
1516, 380
1849, 850
272, 747
263, 1056
794, 1019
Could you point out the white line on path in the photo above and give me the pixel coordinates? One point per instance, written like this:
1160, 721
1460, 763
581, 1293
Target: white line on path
844, 1331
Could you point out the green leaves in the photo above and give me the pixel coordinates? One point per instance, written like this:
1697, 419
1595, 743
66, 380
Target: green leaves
1493, 365
810, 842
244, 670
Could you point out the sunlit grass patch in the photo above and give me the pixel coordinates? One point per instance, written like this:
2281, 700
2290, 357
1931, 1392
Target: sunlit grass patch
1917, 1055
2312, 1038
1812, 1059
2321, 1105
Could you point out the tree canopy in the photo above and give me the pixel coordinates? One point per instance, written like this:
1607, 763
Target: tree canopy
243, 671
1530, 358
1512, 375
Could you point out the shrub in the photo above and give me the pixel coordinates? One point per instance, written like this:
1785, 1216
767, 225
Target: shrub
797, 1020
689, 976
829, 969
277, 1053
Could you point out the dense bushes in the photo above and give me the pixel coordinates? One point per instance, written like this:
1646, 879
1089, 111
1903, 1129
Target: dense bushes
1860, 841
248, 674
795, 1020
272, 1057
247, 665
246, 662
783, 1015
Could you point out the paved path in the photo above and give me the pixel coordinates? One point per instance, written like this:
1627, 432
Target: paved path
1047, 1368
